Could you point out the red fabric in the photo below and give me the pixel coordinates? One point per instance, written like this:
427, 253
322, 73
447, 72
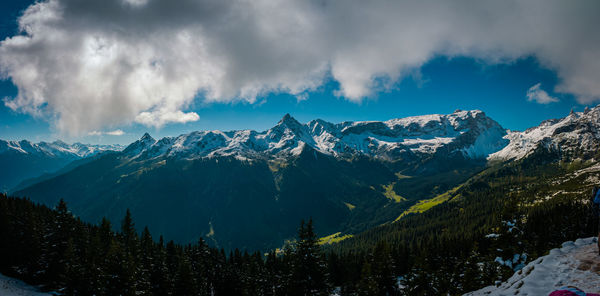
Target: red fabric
569, 293
562, 293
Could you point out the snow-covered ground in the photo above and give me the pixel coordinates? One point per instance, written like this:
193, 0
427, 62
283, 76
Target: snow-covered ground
14, 287
574, 264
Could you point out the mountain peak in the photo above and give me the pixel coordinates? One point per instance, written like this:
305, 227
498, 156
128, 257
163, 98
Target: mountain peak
289, 122
140, 145
146, 137
60, 142
287, 118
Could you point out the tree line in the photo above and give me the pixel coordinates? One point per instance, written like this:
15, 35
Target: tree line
57, 251
450, 249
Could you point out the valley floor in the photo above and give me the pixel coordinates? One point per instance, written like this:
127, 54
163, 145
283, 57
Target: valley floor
575, 264
14, 287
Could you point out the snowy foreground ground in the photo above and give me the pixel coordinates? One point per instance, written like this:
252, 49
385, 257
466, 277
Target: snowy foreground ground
575, 263
13, 287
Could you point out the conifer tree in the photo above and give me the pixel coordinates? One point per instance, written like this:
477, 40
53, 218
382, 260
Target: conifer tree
59, 234
308, 275
146, 255
159, 275
383, 269
368, 286
129, 255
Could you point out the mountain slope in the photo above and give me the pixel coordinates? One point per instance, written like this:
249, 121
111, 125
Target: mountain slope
13, 287
574, 136
521, 206
249, 189
574, 264
27, 160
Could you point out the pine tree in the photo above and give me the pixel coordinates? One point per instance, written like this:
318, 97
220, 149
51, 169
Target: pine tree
143, 283
130, 255
383, 269
202, 267
60, 234
159, 275
368, 286
185, 283
308, 275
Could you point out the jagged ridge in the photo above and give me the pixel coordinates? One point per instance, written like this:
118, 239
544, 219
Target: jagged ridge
469, 133
574, 136
55, 149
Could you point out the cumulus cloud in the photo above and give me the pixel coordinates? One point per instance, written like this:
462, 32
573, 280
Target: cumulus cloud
116, 132
158, 118
87, 65
540, 96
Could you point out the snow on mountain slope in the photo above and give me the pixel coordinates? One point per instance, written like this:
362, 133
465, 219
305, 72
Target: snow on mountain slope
13, 287
470, 133
30, 160
55, 149
579, 131
574, 264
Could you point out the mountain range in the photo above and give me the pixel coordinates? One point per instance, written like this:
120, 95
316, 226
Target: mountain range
249, 189
467, 133
29, 160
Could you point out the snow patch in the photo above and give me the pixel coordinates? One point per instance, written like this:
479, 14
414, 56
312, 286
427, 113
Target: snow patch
577, 131
56, 148
14, 287
575, 263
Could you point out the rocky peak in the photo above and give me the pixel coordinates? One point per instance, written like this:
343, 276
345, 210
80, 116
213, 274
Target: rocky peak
147, 138
140, 145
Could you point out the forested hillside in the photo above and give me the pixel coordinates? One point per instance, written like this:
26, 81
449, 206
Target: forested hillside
53, 249
489, 227
411, 229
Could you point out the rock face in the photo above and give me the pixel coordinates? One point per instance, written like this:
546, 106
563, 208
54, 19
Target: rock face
574, 136
27, 160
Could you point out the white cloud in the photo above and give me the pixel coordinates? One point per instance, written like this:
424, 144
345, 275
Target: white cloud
96, 64
159, 118
540, 96
116, 132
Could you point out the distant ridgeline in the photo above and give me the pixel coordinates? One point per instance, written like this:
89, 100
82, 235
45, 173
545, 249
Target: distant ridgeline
28, 161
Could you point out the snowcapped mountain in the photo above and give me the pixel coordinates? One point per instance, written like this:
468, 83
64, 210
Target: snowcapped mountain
468, 133
250, 189
574, 136
27, 160
55, 149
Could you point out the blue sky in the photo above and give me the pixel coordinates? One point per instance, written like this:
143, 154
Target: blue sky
444, 84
